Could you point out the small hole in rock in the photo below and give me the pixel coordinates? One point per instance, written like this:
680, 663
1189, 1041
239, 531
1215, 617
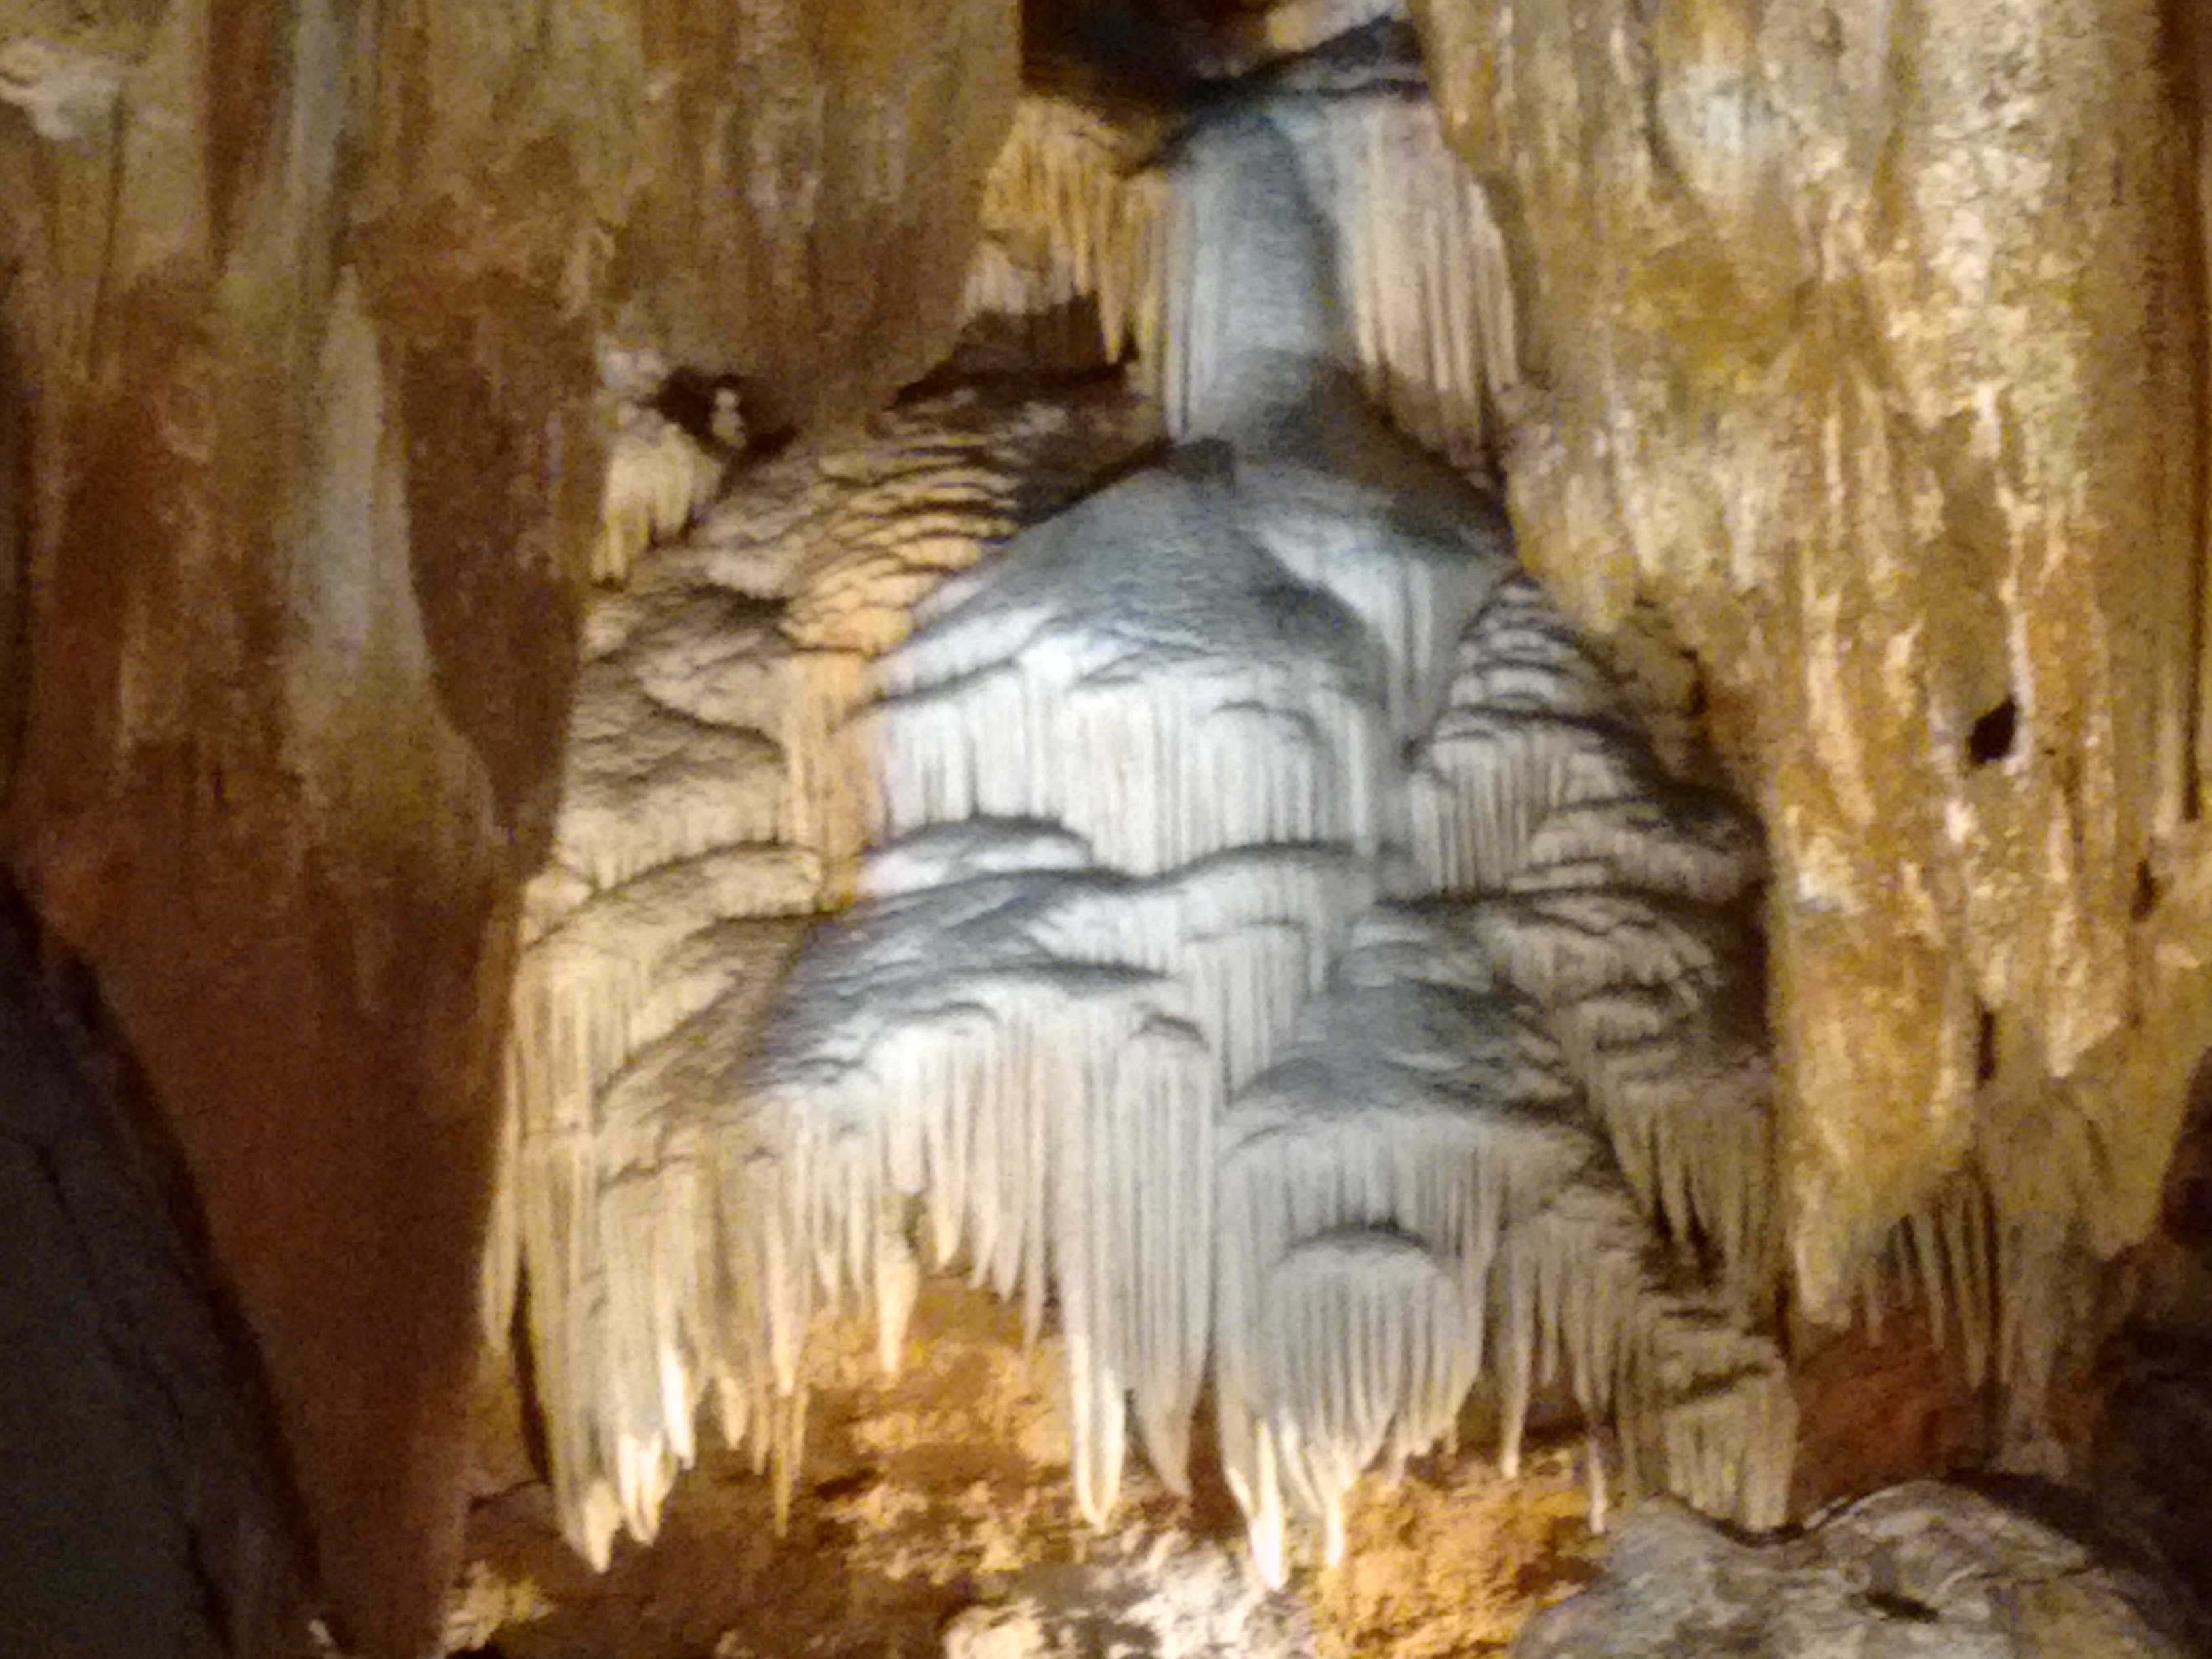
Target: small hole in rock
1991, 737
1985, 1048
1892, 1604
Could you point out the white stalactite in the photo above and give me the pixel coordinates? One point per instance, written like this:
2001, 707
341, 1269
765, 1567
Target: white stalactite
1119, 1020
1078, 208
1420, 1194
1141, 673
712, 795
1034, 1052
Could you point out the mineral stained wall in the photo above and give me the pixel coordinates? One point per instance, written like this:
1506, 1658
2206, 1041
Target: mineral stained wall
1865, 349
301, 469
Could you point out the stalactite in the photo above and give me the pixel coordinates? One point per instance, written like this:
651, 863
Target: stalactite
712, 796
659, 479
1120, 1021
1216, 703
1035, 1051
2000, 1289
1084, 206
1421, 1193
1072, 210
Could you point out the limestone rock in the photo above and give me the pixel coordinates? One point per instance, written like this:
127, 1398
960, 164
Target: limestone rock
1178, 1600
302, 441
1918, 1570
1859, 344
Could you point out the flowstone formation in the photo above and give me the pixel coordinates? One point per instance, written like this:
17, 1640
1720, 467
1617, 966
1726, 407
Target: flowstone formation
709, 787
1273, 952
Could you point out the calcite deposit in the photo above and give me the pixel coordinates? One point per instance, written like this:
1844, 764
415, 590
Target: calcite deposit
469, 477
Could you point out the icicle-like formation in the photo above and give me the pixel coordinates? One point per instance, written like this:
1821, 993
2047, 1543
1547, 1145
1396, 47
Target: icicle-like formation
711, 782
1422, 264
1415, 298
1612, 898
1455, 1169
1035, 1053
1953, 1254
1136, 784
643, 784
1533, 726
1188, 264
619, 1214
854, 538
1418, 1192
659, 477
1141, 673
1701, 1406
1997, 1283
1366, 1182
1071, 211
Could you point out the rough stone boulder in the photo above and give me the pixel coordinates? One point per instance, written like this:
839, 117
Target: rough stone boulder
1918, 1570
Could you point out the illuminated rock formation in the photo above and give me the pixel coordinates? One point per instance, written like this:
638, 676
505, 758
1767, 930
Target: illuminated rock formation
714, 797
1128, 783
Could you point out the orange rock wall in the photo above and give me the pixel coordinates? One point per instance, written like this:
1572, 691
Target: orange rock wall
299, 461
1867, 348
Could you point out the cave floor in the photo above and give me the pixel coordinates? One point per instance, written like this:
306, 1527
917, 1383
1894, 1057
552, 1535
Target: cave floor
934, 1514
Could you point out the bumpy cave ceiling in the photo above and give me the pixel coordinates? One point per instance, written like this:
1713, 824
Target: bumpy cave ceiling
1411, 717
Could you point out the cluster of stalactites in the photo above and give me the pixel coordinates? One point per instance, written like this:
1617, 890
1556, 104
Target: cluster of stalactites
1143, 674
1421, 303
1074, 211
1120, 1019
1029, 1052
1998, 1290
660, 474
711, 802
1521, 1133
1422, 311
1524, 1134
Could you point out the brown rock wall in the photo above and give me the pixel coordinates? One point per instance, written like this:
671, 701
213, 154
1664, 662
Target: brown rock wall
302, 449
1867, 347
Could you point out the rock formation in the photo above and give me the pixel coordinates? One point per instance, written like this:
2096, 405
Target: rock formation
1841, 371
1121, 1020
1920, 1569
1878, 332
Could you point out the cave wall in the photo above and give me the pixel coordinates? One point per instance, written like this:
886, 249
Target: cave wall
1865, 349
302, 443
